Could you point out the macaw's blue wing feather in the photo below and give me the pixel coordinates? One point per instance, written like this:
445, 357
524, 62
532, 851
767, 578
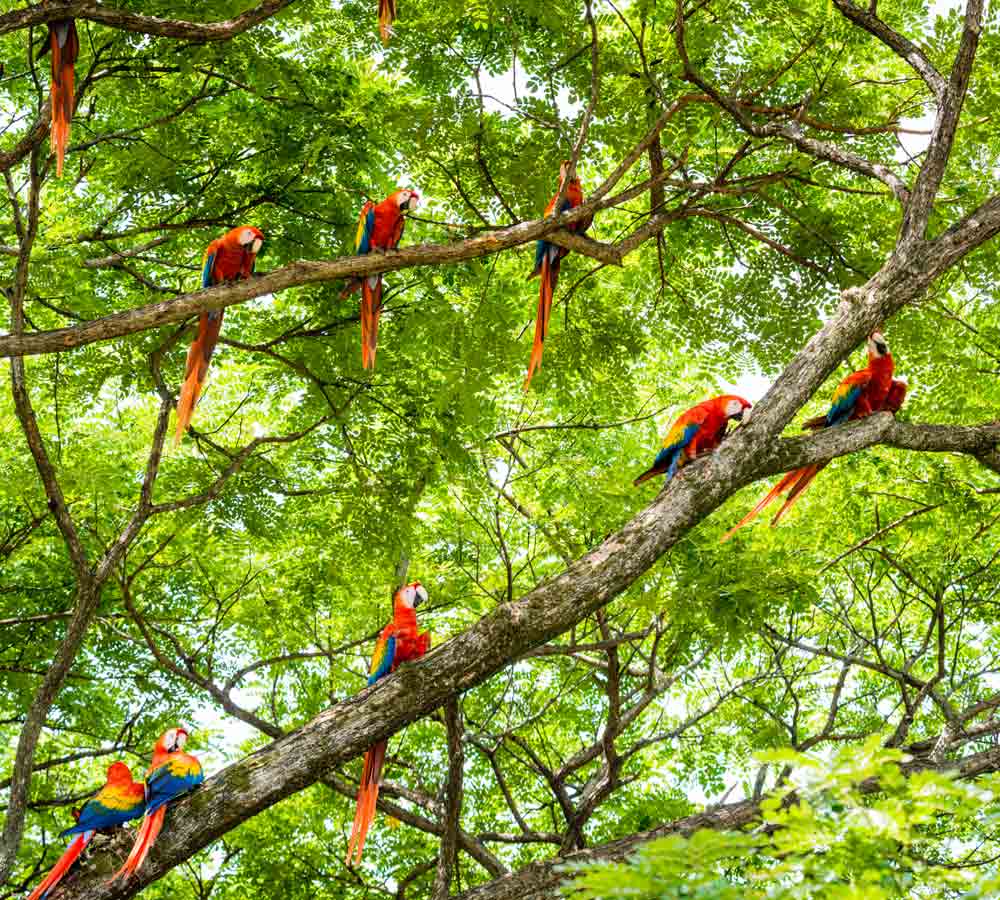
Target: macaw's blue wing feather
540, 249
844, 400
382, 658
96, 815
673, 447
366, 227
680, 436
206, 272
174, 777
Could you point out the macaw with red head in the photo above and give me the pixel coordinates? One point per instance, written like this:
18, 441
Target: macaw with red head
172, 773
119, 801
869, 390
548, 258
380, 228
699, 430
229, 258
64, 45
398, 642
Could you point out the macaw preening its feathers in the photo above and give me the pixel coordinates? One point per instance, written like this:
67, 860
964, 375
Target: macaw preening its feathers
171, 774
398, 642
380, 228
699, 430
548, 258
228, 258
871, 389
64, 45
120, 800
386, 16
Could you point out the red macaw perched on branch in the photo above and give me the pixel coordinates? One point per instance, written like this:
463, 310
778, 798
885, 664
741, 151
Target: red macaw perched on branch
399, 642
871, 389
699, 430
120, 800
65, 47
548, 258
386, 16
228, 258
171, 774
380, 228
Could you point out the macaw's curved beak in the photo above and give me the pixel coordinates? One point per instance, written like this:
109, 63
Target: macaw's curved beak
180, 739
420, 595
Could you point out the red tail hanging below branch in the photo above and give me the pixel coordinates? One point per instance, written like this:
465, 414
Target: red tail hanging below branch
386, 16
64, 45
198, 358
364, 813
548, 279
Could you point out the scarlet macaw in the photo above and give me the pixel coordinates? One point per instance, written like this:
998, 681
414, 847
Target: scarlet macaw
171, 774
386, 16
380, 228
548, 258
65, 47
696, 431
871, 389
120, 800
228, 258
399, 642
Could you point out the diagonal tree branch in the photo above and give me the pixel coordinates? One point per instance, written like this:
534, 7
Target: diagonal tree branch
918, 210
900, 45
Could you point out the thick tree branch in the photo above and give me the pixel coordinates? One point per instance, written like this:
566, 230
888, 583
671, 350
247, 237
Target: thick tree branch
900, 45
135, 22
452, 802
925, 189
306, 272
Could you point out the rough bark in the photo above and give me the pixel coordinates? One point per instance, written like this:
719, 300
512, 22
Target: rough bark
129, 21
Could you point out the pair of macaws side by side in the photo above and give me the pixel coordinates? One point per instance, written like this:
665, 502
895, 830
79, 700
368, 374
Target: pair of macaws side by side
399, 642
702, 428
869, 390
171, 774
380, 228
229, 258
64, 46
548, 258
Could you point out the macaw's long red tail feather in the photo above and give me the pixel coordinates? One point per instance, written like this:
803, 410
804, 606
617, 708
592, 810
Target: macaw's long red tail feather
198, 358
775, 492
386, 16
71, 855
148, 832
364, 812
546, 290
371, 311
806, 475
64, 46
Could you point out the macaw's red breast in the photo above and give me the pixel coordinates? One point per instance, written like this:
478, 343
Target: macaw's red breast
233, 259
573, 198
881, 368
385, 232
